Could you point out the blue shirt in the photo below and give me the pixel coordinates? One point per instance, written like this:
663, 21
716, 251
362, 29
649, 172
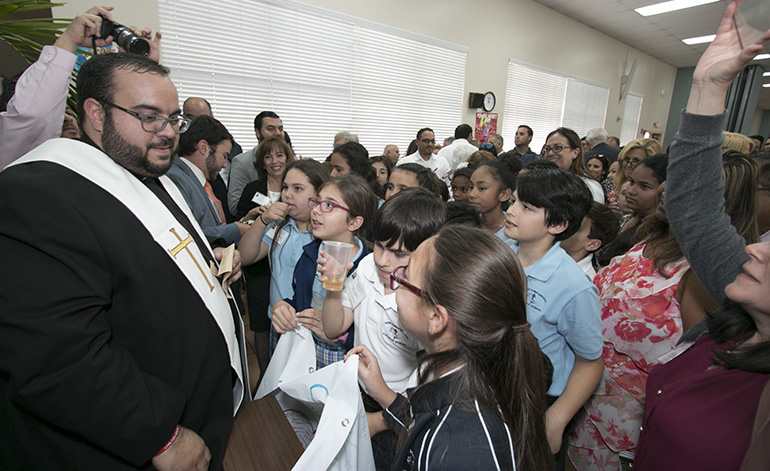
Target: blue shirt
282, 261
563, 308
512, 243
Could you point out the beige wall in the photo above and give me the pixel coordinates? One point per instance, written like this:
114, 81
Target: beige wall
494, 30
142, 13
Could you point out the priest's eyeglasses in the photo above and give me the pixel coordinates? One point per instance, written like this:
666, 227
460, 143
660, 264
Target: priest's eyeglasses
397, 279
325, 206
155, 122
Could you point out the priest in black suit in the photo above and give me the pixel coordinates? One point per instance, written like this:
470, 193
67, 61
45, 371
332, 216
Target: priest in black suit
118, 348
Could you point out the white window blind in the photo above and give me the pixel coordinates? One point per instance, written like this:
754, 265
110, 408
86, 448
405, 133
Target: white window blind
320, 71
545, 100
631, 116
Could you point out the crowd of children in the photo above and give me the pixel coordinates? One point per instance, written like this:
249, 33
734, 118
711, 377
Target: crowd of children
518, 323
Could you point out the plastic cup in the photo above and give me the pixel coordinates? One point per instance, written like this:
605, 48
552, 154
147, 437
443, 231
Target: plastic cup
337, 255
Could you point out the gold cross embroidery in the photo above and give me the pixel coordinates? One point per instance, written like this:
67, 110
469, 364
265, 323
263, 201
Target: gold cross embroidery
183, 246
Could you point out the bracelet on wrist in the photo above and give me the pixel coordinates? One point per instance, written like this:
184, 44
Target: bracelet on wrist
262, 220
170, 441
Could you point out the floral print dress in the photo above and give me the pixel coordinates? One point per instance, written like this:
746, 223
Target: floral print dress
640, 322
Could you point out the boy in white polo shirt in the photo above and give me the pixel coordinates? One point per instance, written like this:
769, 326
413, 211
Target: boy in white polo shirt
367, 301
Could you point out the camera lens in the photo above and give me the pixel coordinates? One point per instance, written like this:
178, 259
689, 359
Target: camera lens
124, 37
129, 41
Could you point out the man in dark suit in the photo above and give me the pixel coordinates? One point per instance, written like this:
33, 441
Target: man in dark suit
197, 106
119, 350
204, 149
597, 139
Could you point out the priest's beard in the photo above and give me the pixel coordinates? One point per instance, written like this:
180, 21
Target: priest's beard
130, 156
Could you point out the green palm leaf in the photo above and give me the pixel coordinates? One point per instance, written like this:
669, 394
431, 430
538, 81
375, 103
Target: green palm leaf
28, 36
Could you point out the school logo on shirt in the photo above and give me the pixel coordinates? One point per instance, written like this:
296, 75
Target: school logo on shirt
395, 334
535, 300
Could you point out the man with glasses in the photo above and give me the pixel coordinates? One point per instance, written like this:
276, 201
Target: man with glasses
426, 141
120, 349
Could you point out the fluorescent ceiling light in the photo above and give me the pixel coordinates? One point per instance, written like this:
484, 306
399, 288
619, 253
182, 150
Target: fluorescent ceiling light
699, 40
762, 57
673, 5
767, 85
765, 74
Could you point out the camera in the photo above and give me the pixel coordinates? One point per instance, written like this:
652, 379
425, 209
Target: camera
124, 37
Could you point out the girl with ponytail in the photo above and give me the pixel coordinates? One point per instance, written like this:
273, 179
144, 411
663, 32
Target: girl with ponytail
480, 402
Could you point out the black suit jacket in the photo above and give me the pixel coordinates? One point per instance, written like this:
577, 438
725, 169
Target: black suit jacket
105, 346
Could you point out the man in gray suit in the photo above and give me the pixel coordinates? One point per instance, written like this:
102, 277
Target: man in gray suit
203, 151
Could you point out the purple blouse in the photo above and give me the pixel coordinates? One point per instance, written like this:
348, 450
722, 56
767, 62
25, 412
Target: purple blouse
698, 416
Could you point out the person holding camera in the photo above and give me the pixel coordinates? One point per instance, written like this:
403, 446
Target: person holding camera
120, 350
35, 112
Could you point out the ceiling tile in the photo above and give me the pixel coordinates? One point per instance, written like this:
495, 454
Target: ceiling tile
659, 36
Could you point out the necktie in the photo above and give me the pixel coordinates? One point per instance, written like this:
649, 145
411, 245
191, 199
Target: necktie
217, 203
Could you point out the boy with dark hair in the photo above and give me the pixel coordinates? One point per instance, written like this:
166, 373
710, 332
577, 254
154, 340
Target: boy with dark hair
599, 228
562, 304
367, 301
462, 213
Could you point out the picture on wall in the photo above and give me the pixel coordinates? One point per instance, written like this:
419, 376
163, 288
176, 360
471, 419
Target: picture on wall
486, 125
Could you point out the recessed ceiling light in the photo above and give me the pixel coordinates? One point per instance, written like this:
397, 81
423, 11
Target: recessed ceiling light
699, 40
762, 57
673, 5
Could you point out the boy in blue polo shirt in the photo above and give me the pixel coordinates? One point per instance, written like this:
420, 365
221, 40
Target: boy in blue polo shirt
562, 303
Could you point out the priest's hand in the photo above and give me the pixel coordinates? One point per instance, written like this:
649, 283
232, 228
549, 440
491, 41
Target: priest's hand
236, 273
188, 452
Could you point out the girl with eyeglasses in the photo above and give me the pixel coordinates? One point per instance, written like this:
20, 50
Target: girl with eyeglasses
342, 211
280, 232
480, 400
368, 301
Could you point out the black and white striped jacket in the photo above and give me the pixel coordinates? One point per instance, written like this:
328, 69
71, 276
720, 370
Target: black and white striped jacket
448, 434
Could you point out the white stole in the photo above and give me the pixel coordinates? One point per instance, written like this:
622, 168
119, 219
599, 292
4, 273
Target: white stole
97, 167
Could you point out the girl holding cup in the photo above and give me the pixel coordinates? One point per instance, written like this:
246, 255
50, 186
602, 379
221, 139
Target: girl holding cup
341, 212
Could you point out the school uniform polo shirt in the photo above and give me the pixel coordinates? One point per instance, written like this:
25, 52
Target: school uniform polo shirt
512, 243
375, 316
283, 259
563, 308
